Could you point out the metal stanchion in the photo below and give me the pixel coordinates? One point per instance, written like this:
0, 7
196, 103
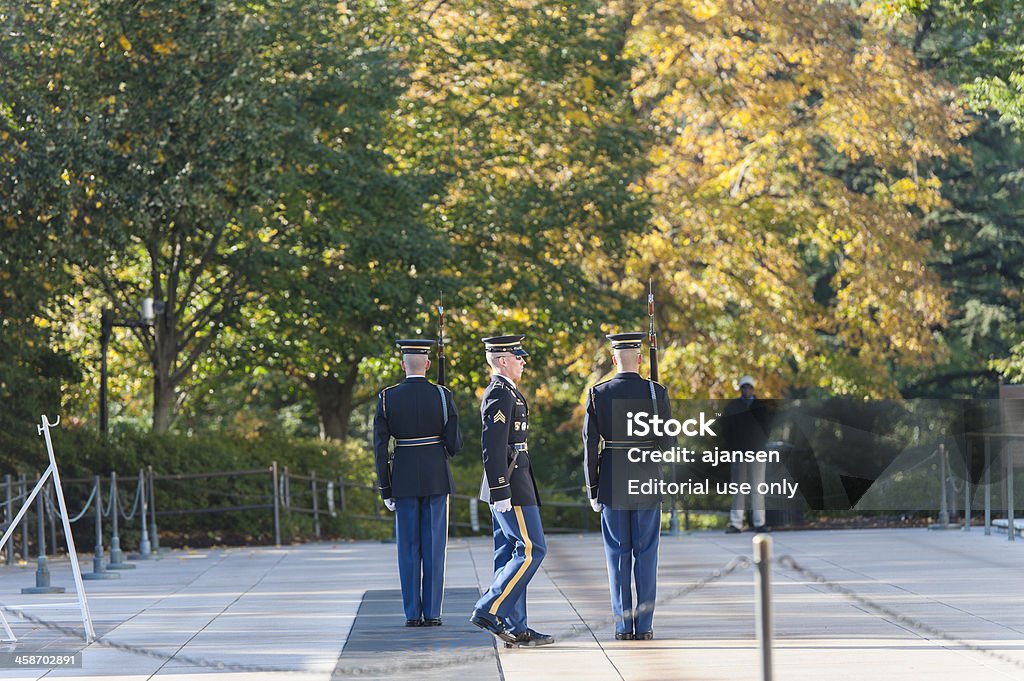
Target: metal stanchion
943, 523
99, 571
988, 485
944, 504
277, 503
673, 520
116, 557
316, 504
967, 488
145, 550
1011, 529
42, 568
763, 594
154, 535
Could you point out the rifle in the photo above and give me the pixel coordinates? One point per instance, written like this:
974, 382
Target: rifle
440, 342
652, 336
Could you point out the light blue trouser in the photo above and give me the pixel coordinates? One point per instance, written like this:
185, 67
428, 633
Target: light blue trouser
421, 531
519, 548
631, 547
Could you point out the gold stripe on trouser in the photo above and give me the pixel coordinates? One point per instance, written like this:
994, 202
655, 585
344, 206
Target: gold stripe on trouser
522, 568
444, 564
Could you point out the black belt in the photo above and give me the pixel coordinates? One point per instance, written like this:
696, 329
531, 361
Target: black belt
418, 441
628, 444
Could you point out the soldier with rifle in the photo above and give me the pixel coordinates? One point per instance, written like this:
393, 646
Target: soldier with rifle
416, 481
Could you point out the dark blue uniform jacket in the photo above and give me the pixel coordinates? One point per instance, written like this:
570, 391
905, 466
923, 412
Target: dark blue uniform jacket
607, 468
506, 422
412, 409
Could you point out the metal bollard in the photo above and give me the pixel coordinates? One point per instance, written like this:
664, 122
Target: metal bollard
155, 536
967, 489
944, 495
763, 594
277, 503
116, 557
145, 550
1011, 524
673, 520
943, 504
42, 569
988, 485
99, 571
316, 504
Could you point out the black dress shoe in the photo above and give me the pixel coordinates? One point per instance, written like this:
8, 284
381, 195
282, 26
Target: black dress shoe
623, 636
414, 623
531, 639
432, 622
494, 625
732, 529
762, 529
645, 636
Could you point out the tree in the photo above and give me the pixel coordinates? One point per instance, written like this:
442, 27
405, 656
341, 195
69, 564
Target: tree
196, 138
505, 162
788, 192
976, 45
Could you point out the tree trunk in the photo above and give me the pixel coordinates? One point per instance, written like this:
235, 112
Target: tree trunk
164, 388
334, 402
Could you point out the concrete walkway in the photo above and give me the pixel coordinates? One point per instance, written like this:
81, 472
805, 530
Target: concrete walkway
326, 609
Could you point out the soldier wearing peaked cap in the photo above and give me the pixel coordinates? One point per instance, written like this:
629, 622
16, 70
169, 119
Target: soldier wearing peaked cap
630, 526
509, 487
416, 481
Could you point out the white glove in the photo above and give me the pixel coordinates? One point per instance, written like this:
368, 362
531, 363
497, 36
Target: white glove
503, 506
390, 503
596, 505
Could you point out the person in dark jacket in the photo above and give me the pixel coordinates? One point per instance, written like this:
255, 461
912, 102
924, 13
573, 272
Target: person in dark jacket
416, 481
746, 422
630, 524
509, 487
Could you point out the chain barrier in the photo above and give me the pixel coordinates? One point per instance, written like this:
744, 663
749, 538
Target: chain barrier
790, 563
435, 661
88, 503
111, 496
135, 504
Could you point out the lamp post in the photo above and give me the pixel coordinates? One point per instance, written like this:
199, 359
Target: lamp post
150, 308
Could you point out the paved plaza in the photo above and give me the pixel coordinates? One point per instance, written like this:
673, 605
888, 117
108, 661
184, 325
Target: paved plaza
323, 610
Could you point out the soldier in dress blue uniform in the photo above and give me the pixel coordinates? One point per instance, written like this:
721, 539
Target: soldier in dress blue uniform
416, 482
630, 525
509, 487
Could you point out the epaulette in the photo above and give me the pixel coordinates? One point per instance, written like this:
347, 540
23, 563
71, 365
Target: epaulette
381, 393
384, 399
597, 385
503, 384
